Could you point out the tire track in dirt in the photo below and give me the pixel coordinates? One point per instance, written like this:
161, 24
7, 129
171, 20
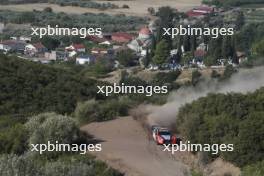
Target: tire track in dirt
127, 147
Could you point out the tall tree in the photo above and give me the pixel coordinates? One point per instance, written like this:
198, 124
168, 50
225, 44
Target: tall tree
161, 52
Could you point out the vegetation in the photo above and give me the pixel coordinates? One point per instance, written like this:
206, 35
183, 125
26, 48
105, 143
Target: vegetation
227, 119
110, 23
30, 88
228, 3
93, 110
86, 4
161, 53
256, 169
51, 127
126, 58
80, 3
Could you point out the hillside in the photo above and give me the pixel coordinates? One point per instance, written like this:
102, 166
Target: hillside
28, 87
224, 119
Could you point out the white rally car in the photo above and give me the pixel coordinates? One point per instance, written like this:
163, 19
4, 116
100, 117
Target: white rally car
162, 135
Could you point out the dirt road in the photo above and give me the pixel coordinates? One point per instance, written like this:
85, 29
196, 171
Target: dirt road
127, 147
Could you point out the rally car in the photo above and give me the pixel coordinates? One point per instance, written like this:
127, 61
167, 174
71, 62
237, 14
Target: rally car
163, 135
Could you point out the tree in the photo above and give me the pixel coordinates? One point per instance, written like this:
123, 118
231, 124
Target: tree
258, 48
151, 11
166, 15
161, 53
146, 59
210, 60
240, 20
187, 57
50, 42
48, 9
126, 57
227, 47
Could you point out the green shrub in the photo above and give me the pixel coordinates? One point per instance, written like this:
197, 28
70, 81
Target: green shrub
256, 169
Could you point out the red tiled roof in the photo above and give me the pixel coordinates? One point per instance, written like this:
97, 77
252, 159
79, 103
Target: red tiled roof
95, 39
145, 31
38, 45
191, 13
8, 42
99, 49
78, 46
205, 8
123, 35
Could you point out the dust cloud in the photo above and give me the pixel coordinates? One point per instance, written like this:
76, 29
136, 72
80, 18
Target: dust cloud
246, 80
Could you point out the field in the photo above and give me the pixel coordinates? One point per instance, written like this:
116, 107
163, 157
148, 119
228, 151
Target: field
141, 6
136, 8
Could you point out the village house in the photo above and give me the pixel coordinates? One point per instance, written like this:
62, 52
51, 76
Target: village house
101, 51
76, 47
25, 39
56, 55
121, 37
200, 11
142, 42
12, 45
35, 49
85, 59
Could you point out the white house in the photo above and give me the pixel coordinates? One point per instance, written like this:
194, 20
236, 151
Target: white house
85, 59
25, 39
142, 42
5, 47
76, 47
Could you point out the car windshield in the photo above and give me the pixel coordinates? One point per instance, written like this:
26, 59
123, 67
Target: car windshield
164, 133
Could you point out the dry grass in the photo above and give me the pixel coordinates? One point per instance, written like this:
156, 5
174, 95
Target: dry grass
140, 6
137, 7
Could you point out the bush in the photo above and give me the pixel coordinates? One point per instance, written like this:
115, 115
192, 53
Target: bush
13, 140
48, 9
196, 77
52, 127
30, 165
162, 78
256, 169
92, 110
125, 6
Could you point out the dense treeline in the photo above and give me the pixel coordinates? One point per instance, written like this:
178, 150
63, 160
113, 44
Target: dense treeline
27, 87
88, 4
80, 3
44, 18
5, 2
230, 119
232, 2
